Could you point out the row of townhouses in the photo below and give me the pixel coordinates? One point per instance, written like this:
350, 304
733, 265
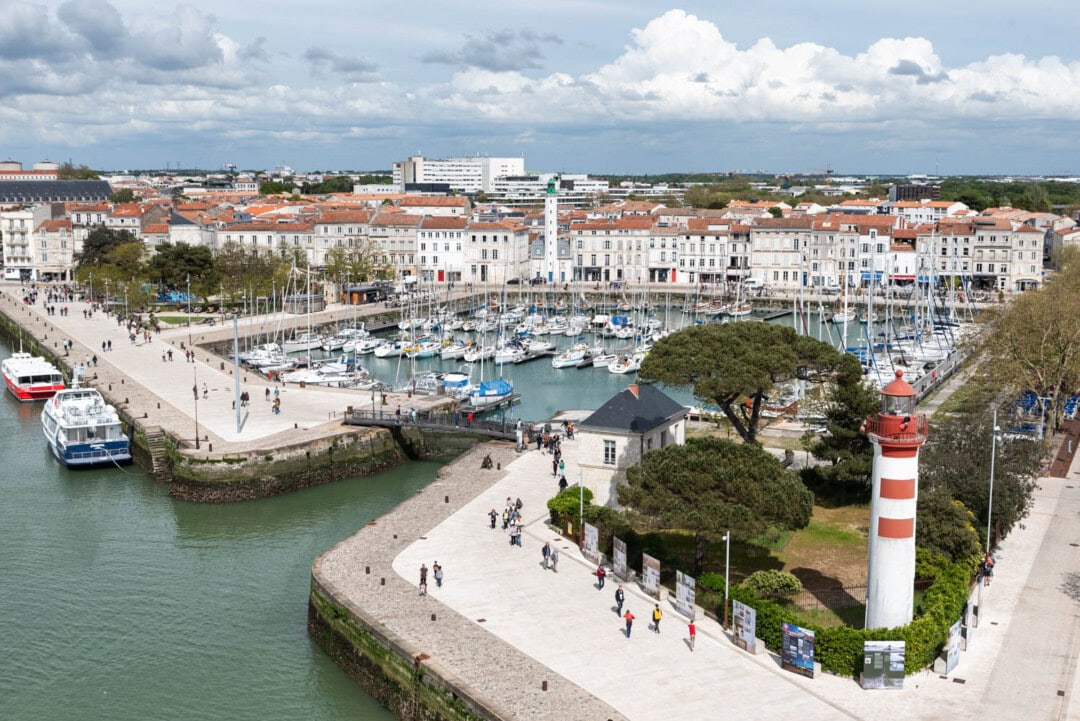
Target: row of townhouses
445, 239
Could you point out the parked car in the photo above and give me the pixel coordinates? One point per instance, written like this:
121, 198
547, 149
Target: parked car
538, 281
514, 281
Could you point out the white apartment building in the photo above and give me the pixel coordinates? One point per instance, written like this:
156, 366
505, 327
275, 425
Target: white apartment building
126, 216
575, 190
393, 240
17, 228
496, 252
984, 253
919, 212
54, 250
339, 229
440, 248
712, 251
269, 238
777, 251
474, 174
610, 250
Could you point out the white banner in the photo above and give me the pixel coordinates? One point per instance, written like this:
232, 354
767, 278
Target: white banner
650, 575
592, 543
619, 557
684, 594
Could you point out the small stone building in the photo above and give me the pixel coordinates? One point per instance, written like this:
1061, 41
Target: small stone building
620, 432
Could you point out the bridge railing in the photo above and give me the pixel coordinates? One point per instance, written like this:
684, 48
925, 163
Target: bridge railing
427, 419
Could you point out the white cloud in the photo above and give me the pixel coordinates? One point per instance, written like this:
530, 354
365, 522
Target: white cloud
179, 71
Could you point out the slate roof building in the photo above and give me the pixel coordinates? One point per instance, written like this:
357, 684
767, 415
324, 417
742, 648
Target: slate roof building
620, 432
53, 191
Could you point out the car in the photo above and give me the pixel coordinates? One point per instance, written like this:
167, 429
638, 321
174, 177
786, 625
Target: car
538, 281
514, 281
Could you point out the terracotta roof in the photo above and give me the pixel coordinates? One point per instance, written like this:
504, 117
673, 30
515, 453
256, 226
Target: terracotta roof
901, 248
443, 222
270, 227
86, 207
127, 210
388, 218
499, 225
799, 222
51, 226
350, 215
413, 201
156, 228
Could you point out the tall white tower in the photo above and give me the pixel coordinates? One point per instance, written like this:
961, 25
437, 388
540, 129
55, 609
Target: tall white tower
897, 434
551, 230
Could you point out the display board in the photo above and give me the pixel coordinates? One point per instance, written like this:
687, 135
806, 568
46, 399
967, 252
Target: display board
650, 575
952, 648
745, 620
619, 559
684, 594
883, 664
591, 550
797, 651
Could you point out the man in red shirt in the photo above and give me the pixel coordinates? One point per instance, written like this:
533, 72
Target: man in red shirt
629, 618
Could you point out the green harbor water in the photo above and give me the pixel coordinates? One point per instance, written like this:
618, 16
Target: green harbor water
119, 603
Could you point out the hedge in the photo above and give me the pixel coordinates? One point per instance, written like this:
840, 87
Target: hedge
840, 649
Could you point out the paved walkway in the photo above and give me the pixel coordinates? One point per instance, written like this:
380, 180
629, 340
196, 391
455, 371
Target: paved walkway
564, 622
164, 389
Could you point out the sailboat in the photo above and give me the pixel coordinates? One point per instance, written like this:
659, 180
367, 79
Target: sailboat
493, 392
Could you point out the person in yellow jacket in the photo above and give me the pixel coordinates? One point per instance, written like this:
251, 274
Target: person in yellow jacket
657, 614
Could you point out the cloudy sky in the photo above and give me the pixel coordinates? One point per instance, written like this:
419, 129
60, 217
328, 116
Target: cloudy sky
573, 85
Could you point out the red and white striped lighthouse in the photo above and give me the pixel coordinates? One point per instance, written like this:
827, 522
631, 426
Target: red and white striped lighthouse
897, 433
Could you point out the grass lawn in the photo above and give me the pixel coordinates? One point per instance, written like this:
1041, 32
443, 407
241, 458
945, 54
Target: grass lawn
179, 319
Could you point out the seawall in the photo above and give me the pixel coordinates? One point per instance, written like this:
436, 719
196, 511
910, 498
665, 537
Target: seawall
421, 659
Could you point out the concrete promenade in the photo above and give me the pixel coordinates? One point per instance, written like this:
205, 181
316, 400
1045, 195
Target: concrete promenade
1023, 652
164, 389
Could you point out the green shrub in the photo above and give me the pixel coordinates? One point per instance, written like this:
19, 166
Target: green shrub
929, 564
712, 581
772, 584
567, 505
840, 649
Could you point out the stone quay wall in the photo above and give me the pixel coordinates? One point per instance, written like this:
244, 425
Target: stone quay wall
420, 658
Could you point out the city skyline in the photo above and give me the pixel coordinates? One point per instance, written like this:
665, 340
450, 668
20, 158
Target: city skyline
635, 88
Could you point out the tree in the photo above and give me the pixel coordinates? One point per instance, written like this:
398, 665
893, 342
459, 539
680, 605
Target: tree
1035, 343
124, 195
733, 363
712, 485
776, 211
68, 171
99, 242
945, 526
173, 265
128, 258
956, 461
274, 187
847, 449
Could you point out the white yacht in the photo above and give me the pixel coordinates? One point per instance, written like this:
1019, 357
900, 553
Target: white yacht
83, 430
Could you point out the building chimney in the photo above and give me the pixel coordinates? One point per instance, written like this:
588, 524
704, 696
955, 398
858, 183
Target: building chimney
634, 389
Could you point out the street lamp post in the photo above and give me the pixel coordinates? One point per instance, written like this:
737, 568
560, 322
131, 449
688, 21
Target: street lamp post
194, 365
727, 563
989, 514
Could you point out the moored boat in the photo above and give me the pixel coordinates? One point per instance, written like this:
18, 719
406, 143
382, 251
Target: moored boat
82, 430
31, 378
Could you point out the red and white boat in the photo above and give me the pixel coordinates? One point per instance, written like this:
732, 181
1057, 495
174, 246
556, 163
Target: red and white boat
31, 378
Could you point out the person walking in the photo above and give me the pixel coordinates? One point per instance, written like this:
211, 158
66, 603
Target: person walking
657, 614
562, 483
546, 553
205, 392
629, 618
438, 573
620, 598
493, 516
562, 465
555, 467
554, 559
693, 634
601, 574
195, 391
423, 574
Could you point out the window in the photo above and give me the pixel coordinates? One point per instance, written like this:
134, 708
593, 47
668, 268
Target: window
494, 253
609, 453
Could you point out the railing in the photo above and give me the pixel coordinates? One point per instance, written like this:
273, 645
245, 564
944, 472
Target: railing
452, 422
914, 432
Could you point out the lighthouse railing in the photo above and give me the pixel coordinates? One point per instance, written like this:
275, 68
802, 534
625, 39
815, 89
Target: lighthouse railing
914, 432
